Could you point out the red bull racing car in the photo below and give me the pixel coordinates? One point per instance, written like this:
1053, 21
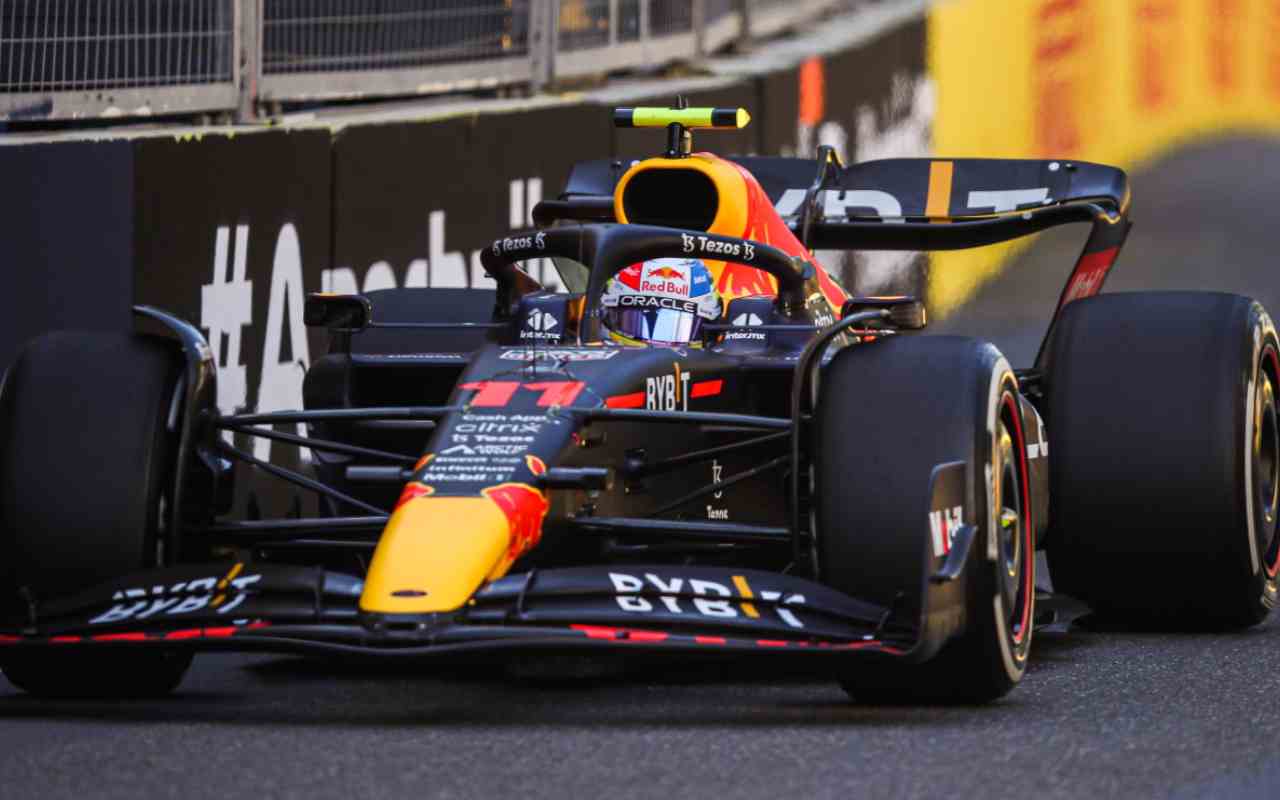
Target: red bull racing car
704, 446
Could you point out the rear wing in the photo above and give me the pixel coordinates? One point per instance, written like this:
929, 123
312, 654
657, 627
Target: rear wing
914, 204
1007, 198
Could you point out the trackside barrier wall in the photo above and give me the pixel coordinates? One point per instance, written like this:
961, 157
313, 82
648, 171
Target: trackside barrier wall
66, 219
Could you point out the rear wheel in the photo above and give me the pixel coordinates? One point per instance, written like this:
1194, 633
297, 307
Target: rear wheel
888, 414
1166, 458
86, 457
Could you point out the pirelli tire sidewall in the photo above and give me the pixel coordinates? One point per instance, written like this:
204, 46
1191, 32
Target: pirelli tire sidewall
1154, 411
888, 413
1012, 614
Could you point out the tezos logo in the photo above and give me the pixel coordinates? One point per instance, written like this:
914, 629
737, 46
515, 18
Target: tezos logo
745, 250
513, 243
540, 325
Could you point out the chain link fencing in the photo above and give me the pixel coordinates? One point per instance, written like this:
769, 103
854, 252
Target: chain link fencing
82, 58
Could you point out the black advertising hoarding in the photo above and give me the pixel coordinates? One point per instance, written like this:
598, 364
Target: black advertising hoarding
66, 223
231, 232
414, 202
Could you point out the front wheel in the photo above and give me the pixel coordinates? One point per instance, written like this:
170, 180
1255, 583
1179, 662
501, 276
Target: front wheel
86, 459
888, 414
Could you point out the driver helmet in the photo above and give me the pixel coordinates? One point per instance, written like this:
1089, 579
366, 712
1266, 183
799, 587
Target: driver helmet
662, 301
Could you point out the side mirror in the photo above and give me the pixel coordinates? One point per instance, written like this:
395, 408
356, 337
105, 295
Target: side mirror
342, 313
905, 312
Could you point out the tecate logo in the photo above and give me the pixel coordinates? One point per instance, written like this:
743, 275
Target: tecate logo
540, 325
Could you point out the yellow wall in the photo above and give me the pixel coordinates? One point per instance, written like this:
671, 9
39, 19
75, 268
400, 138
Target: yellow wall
1114, 81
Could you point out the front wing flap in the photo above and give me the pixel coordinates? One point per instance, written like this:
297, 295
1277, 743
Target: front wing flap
266, 607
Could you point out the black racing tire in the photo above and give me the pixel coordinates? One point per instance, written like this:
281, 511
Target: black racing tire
1165, 464
86, 456
887, 414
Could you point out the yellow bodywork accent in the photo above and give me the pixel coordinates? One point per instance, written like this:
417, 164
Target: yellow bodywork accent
445, 547
740, 582
652, 117
731, 189
938, 202
230, 576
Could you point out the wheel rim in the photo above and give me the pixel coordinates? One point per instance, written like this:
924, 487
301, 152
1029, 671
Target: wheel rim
1008, 517
1266, 447
1266, 458
1013, 526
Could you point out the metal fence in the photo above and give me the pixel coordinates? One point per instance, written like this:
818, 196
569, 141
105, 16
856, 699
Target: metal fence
67, 59
81, 58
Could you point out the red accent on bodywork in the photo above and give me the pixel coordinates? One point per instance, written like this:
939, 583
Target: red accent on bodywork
219, 633
596, 631
186, 633
625, 400
120, 637
706, 388
556, 393
764, 225
524, 507
621, 634
710, 640
64, 639
492, 394
647, 636
413, 491
1089, 274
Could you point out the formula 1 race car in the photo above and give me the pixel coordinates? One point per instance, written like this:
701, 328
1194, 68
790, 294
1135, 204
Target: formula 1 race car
516, 473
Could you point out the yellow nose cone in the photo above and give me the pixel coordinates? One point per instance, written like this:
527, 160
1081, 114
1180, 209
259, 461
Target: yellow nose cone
434, 554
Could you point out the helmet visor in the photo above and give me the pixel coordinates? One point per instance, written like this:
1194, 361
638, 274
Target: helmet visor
656, 325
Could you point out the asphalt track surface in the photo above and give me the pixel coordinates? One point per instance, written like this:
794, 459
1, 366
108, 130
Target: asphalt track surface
1099, 715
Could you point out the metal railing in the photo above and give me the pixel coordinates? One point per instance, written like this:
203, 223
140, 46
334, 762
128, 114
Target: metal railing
68, 59
64, 59
319, 49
